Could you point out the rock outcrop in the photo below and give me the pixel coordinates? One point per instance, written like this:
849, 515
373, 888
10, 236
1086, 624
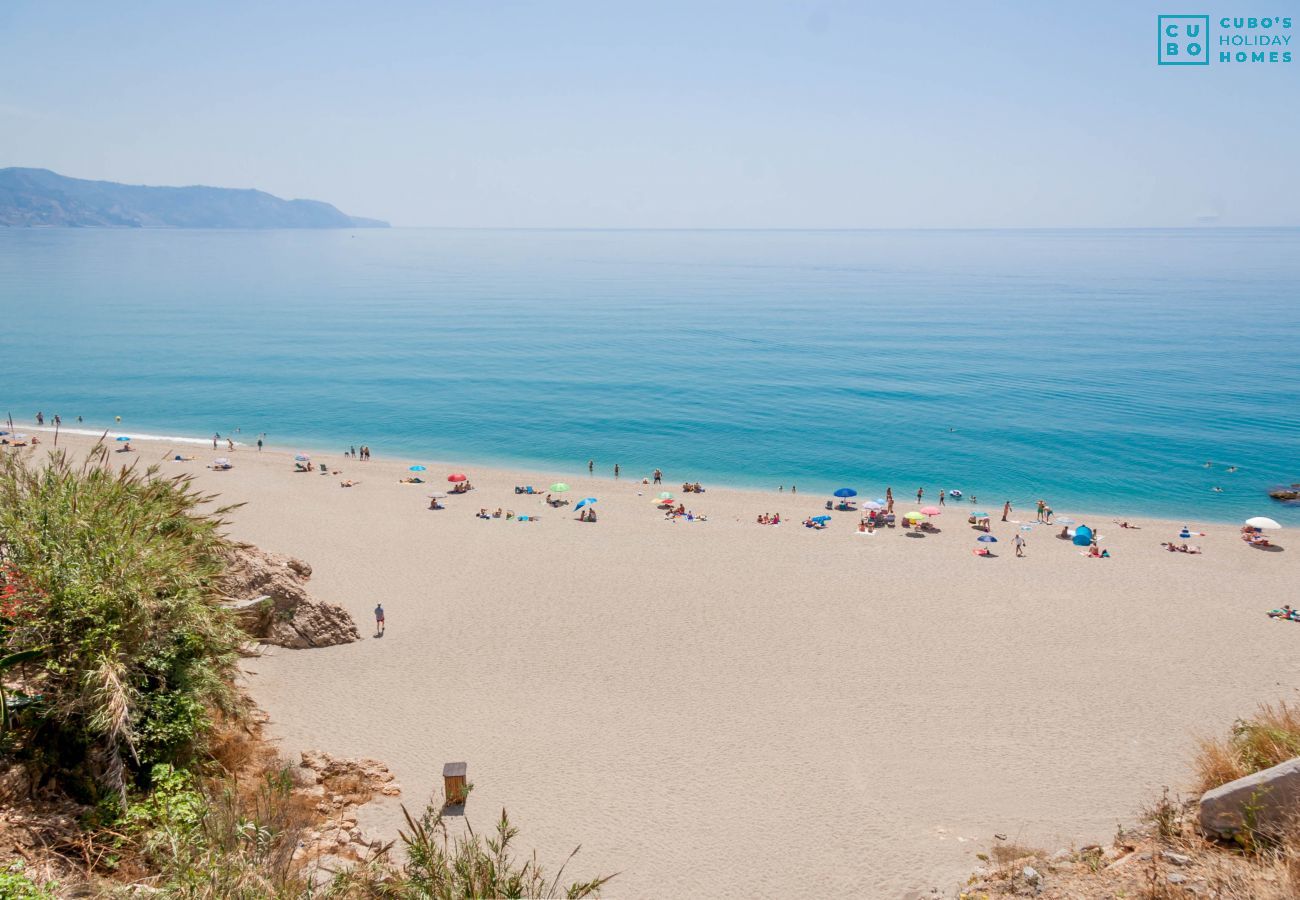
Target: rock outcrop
1264, 802
1288, 494
338, 786
268, 593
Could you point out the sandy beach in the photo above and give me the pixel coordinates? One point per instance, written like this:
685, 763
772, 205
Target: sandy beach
726, 709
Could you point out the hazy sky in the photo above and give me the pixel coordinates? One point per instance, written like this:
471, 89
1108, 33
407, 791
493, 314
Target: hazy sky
619, 114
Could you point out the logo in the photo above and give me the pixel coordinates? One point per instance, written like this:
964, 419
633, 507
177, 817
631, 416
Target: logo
1184, 40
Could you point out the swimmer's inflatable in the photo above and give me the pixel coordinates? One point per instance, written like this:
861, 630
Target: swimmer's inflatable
956, 495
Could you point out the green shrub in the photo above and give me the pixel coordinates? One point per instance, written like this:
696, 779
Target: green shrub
14, 885
114, 574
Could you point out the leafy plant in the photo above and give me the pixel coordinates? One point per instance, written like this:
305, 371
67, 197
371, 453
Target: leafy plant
116, 572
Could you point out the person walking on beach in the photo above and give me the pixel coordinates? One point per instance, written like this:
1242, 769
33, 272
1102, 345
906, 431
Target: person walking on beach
215, 438
379, 620
1019, 541
230, 444
659, 477
942, 494
259, 445
1006, 510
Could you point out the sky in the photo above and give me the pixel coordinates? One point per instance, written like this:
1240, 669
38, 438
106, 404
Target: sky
610, 114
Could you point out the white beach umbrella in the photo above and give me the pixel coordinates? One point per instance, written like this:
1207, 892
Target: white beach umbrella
1262, 522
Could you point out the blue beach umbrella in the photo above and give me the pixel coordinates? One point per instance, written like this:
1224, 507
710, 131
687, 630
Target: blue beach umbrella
821, 518
582, 503
987, 539
1082, 536
123, 439
846, 492
417, 468
301, 457
980, 514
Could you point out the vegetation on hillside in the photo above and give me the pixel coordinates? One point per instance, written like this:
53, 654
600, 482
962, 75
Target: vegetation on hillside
117, 666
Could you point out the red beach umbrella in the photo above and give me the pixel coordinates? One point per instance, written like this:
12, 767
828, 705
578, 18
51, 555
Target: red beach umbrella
457, 476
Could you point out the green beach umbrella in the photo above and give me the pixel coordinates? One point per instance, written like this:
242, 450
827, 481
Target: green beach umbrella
559, 487
665, 495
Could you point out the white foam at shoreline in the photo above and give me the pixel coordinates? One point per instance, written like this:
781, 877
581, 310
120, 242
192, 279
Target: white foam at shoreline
111, 434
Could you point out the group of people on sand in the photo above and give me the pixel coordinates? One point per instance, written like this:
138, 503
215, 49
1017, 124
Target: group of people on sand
681, 512
772, 519
1044, 513
587, 515
1254, 537
353, 453
507, 514
1179, 548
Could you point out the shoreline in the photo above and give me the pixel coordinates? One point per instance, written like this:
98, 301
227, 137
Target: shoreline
903, 500
660, 691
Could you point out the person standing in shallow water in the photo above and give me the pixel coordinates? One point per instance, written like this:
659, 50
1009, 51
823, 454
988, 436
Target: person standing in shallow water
920, 492
591, 466
379, 620
615, 470
942, 494
659, 477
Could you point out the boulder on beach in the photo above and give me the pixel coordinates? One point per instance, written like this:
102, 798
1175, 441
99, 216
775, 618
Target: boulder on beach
268, 593
1265, 802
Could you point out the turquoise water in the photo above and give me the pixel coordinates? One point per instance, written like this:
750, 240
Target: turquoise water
1098, 369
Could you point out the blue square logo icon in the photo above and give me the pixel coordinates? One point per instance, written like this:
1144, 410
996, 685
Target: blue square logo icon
1184, 40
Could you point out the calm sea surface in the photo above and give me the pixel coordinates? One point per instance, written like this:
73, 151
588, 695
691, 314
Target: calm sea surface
1098, 369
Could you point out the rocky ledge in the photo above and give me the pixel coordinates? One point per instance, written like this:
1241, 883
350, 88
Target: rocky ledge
268, 594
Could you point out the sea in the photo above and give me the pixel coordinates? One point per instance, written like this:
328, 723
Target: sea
1127, 372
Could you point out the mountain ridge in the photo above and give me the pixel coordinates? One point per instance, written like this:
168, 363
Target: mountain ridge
40, 198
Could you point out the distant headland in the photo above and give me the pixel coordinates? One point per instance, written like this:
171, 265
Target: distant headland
39, 198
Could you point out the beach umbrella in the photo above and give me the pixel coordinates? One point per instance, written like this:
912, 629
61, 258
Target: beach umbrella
872, 504
301, 457
588, 501
930, 510
221, 461
1256, 522
846, 492
665, 495
123, 439
987, 539
559, 487
456, 476
417, 469
913, 516
821, 518
1082, 536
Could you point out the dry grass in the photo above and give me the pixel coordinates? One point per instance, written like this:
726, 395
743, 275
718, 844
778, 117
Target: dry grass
1003, 853
1270, 737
